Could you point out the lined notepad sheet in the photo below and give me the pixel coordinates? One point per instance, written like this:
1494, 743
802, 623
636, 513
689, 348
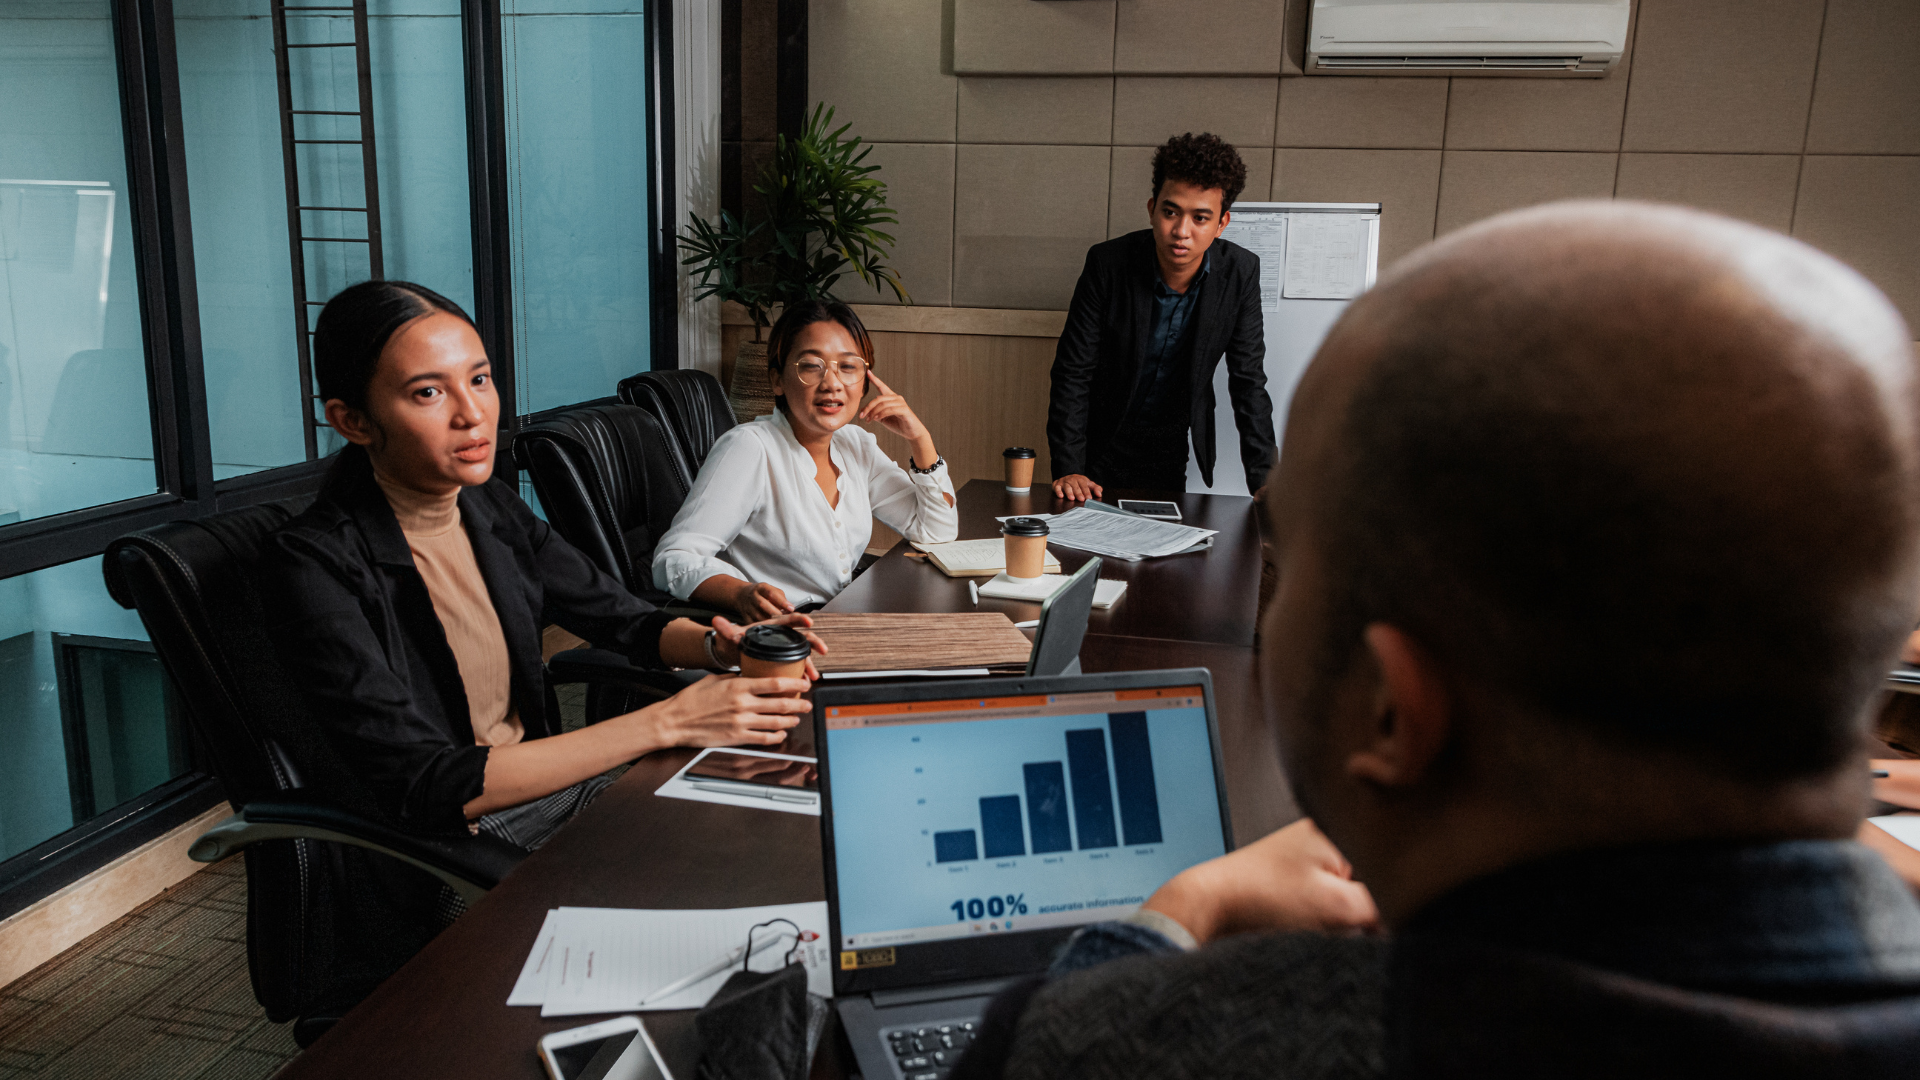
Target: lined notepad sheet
873, 641
975, 558
599, 960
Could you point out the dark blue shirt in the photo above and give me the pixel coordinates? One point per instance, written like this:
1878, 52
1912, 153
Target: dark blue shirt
1165, 399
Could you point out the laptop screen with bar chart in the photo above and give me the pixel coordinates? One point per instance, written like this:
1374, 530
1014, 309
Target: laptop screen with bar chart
957, 825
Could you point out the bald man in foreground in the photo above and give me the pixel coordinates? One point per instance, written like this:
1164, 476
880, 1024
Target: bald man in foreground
1597, 529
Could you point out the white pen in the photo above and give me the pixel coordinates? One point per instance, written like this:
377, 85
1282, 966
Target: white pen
715, 968
974, 590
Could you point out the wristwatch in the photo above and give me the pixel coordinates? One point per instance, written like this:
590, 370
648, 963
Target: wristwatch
713, 658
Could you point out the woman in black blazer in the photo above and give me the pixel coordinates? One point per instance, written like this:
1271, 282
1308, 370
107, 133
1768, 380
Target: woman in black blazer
423, 661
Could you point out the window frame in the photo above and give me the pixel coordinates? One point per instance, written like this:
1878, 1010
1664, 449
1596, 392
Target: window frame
146, 63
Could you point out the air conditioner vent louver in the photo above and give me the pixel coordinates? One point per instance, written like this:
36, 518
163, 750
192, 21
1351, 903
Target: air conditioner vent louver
1542, 39
1449, 61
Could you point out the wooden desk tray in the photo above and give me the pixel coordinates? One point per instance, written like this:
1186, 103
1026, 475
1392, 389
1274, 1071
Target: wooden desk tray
873, 641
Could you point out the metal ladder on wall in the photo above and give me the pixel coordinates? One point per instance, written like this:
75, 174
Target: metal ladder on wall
296, 206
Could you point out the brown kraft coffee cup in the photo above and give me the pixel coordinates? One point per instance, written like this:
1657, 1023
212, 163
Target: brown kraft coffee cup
1026, 544
774, 652
1019, 469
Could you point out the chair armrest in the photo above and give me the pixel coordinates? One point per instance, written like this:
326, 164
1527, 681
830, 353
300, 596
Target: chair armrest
606, 666
469, 865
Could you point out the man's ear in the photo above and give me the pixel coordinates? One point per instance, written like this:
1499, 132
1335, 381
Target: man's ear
351, 423
1412, 711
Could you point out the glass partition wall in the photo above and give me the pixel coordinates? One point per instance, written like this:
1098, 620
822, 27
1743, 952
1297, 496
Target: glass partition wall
182, 184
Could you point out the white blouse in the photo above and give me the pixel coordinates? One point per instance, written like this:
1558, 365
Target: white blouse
756, 512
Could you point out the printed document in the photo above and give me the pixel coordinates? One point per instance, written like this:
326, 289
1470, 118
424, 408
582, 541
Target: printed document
1327, 256
604, 960
1264, 234
1121, 535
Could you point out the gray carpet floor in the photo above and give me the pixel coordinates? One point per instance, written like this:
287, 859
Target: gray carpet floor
161, 994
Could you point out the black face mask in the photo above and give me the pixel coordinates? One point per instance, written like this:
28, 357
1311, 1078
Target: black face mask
761, 1025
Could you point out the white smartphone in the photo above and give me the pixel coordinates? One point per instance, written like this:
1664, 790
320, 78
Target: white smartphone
1166, 511
616, 1049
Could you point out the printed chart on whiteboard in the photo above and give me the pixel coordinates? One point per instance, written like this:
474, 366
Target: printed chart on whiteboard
1314, 259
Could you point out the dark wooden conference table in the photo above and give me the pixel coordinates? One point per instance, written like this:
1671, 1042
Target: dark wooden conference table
444, 1013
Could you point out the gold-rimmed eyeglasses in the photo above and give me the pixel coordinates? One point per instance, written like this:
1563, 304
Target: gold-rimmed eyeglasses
811, 371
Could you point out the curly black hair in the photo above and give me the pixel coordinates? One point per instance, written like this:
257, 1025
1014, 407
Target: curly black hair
1205, 160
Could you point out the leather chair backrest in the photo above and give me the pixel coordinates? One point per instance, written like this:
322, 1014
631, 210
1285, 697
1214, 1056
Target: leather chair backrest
691, 404
611, 478
325, 922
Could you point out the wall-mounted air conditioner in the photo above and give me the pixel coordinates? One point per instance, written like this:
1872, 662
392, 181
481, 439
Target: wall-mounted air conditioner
1564, 38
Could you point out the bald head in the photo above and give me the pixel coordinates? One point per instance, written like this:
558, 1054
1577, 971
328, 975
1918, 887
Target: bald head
1643, 469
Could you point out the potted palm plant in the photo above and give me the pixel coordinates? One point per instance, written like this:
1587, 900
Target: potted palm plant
822, 213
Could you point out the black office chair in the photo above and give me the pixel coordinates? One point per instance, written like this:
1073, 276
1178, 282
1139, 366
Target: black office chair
611, 478
690, 403
337, 898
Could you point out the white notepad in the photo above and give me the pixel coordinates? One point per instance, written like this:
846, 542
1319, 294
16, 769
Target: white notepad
974, 558
1105, 593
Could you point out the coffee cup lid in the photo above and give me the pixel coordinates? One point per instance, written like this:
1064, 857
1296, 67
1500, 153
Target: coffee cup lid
1018, 452
1024, 526
776, 644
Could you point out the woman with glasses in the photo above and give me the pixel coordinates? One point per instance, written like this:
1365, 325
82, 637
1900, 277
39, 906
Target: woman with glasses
784, 507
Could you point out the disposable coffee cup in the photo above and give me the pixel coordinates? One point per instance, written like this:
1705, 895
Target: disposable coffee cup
1026, 541
1019, 469
775, 652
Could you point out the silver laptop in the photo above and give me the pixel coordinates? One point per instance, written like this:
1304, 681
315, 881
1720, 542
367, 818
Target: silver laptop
970, 826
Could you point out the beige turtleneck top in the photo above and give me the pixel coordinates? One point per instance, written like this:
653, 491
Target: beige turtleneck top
444, 556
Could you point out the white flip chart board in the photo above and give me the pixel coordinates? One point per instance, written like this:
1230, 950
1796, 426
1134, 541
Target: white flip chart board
1314, 259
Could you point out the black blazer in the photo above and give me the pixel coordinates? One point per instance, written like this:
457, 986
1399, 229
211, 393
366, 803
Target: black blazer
350, 617
1096, 369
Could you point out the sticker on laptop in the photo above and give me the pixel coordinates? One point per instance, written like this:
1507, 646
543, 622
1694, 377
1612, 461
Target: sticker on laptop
854, 959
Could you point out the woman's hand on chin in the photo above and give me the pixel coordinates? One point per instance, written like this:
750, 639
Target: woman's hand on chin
891, 411
728, 645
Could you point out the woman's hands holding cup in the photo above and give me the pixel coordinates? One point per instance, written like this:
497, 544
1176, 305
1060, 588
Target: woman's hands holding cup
728, 635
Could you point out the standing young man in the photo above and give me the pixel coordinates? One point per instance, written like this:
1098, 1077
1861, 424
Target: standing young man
1152, 314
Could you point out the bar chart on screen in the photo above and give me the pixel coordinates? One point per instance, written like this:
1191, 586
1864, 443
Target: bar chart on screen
1018, 823
1096, 789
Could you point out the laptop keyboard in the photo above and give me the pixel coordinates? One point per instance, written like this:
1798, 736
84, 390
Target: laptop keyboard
929, 1051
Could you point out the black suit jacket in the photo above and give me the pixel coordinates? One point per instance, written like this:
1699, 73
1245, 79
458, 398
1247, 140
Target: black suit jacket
1096, 369
349, 614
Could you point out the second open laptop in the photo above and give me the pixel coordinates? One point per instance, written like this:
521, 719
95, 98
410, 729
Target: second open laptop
970, 826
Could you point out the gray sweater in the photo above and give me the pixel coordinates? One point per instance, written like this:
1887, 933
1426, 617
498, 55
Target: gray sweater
1791, 959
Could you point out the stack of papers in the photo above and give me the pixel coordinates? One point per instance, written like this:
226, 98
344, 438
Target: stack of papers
1121, 535
603, 960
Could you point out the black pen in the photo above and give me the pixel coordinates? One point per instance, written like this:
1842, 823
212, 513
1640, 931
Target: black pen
1878, 774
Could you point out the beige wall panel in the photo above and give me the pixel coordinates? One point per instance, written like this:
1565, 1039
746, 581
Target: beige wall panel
1021, 37
1537, 114
1866, 98
1406, 184
1357, 111
1024, 217
1477, 184
1722, 76
1133, 184
977, 395
919, 179
1038, 110
1148, 112
878, 63
1866, 211
1181, 37
1756, 187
